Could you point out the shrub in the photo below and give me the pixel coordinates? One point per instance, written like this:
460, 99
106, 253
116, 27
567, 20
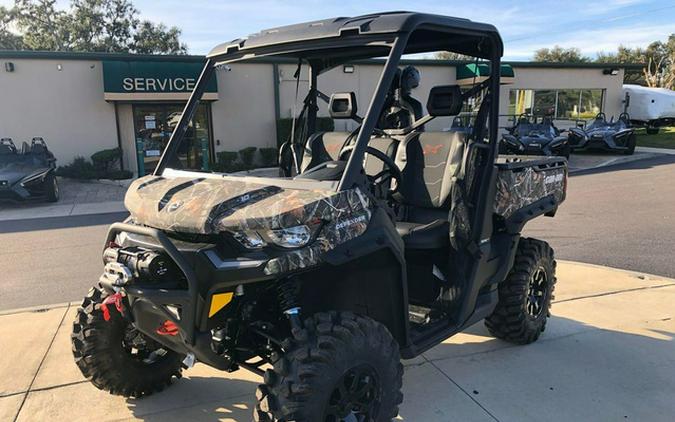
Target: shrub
80, 168
107, 160
227, 162
247, 155
269, 156
101, 167
323, 124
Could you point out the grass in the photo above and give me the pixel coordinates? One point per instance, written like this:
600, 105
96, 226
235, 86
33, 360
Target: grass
664, 139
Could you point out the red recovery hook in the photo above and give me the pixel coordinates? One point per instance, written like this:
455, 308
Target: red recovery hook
115, 299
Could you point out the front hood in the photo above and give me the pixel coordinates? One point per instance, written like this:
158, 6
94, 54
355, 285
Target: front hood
207, 205
14, 172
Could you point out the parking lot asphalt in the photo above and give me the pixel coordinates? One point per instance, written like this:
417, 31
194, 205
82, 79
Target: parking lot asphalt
602, 357
620, 216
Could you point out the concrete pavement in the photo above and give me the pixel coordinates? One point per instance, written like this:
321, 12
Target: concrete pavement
607, 354
77, 198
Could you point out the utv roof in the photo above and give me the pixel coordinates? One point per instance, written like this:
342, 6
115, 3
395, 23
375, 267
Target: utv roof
465, 37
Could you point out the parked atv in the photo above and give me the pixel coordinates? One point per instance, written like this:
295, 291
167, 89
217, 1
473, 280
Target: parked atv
603, 135
529, 137
377, 245
27, 173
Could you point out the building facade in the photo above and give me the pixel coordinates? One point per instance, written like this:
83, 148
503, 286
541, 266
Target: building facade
81, 103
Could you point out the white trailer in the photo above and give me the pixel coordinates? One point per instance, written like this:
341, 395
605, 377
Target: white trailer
651, 107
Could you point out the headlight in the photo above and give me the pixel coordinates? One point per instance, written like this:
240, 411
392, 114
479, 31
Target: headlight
250, 240
291, 237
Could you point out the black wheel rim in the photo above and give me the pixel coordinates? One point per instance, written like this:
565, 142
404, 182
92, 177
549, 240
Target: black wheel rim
140, 347
356, 397
536, 292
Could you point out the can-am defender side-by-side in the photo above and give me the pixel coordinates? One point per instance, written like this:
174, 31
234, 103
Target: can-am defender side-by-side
616, 135
531, 137
27, 173
377, 243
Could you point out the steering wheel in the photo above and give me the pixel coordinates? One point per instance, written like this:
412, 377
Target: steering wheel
391, 170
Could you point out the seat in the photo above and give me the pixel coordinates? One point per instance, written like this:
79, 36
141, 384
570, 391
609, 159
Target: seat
322, 147
430, 162
417, 236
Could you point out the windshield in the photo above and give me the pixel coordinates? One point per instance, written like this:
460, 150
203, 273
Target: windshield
303, 118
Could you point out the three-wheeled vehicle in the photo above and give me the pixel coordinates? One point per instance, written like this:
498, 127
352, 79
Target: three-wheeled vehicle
531, 135
602, 135
377, 243
27, 173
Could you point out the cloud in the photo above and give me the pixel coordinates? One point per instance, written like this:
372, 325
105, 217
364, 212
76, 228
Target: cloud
593, 41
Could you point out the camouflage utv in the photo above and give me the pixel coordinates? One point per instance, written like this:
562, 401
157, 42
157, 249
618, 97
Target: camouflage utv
373, 245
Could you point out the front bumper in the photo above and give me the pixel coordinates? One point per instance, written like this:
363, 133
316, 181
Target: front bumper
600, 142
32, 186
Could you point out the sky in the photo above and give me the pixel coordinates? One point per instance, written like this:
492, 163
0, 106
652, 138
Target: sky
590, 25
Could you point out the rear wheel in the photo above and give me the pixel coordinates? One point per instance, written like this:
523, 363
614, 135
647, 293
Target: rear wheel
525, 296
52, 188
652, 130
340, 367
116, 357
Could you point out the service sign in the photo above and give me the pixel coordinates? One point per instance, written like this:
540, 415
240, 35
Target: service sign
153, 80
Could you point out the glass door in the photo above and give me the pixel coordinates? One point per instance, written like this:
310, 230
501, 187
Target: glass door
153, 125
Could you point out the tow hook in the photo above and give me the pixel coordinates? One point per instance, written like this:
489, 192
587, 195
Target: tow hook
168, 328
115, 299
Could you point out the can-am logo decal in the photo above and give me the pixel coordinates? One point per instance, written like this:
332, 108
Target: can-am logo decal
553, 178
350, 222
174, 206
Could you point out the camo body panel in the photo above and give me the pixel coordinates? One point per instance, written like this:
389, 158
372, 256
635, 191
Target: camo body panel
519, 189
208, 206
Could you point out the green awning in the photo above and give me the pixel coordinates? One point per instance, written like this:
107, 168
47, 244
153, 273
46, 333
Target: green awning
128, 80
471, 73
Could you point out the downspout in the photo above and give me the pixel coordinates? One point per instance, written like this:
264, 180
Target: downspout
277, 106
119, 136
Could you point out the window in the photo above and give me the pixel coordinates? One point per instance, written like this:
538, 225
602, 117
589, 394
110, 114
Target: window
591, 103
544, 103
154, 124
563, 104
568, 104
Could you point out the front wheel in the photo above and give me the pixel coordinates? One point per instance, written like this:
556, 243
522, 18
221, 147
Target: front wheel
340, 367
526, 294
52, 188
632, 142
116, 357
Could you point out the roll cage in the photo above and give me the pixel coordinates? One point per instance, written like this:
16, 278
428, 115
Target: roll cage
328, 43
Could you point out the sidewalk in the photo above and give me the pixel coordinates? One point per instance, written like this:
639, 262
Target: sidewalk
607, 354
77, 198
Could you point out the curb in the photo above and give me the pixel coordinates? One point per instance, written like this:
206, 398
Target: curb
620, 160
637, 274
666, 151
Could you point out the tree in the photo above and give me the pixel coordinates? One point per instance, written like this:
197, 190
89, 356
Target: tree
449, 55
8, 39
89, 25
559, 54
658, 59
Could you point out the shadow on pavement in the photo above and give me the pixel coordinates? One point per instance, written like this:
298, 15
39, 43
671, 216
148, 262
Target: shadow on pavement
643, 164
50, 223
198, 398
575, 371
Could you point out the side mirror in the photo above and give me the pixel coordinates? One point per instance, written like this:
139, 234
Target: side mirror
342, 105
445, 100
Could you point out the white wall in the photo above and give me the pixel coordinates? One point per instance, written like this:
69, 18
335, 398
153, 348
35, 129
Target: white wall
64, 107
